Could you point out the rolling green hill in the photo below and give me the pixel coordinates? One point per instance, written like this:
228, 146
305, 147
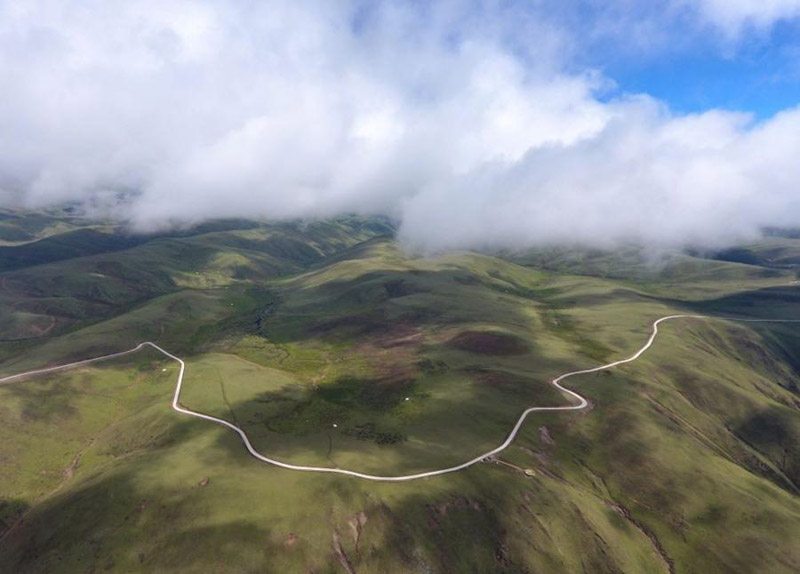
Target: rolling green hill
687, 460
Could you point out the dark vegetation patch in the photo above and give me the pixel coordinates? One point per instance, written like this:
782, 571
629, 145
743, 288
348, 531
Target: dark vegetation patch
346, 399
269, 302
76, 532
489, 343
397, 288
48, 399
368, 432
10, 511
511, 287
466, 279
352, 325
770, 432
501, 380
216, 226
421, 316
69, 245
612, 296
514, 387
775, 344
291, 249
775, 433
712, 515
738, 255
787, 232
541, 294
432, 367
692, 387
769, 302
374, 327
354, 392
783, 342
27, 226
466, 534
307, 416
770, 273
252, 305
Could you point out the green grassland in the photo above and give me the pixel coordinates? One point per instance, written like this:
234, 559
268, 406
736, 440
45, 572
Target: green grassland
21, 227
687, 461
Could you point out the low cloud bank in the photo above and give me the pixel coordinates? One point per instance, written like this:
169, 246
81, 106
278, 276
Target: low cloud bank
465, 121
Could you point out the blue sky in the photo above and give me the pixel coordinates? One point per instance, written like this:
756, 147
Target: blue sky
693, 55
759, 73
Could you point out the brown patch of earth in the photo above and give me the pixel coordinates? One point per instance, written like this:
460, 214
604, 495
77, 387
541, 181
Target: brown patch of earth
42, 331
341, 555
393, 353
438, 511
501, 379
400, 335
356, 524
291, 540
544, 435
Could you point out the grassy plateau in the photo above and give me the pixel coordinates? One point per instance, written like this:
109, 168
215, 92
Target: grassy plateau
332, 346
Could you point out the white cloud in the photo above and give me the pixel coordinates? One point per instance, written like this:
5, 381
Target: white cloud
733, 15
648, 177
466, 122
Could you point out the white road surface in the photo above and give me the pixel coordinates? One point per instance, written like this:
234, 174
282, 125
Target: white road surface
582, 403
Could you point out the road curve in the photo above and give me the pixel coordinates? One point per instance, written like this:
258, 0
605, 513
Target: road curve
581, 404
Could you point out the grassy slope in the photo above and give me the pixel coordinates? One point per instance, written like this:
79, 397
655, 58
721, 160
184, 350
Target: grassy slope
59, 297
687, 457
20, 227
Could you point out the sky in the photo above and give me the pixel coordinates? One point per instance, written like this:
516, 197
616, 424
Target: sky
475, 123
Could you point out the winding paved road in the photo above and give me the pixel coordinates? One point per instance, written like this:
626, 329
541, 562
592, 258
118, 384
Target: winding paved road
581, 404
